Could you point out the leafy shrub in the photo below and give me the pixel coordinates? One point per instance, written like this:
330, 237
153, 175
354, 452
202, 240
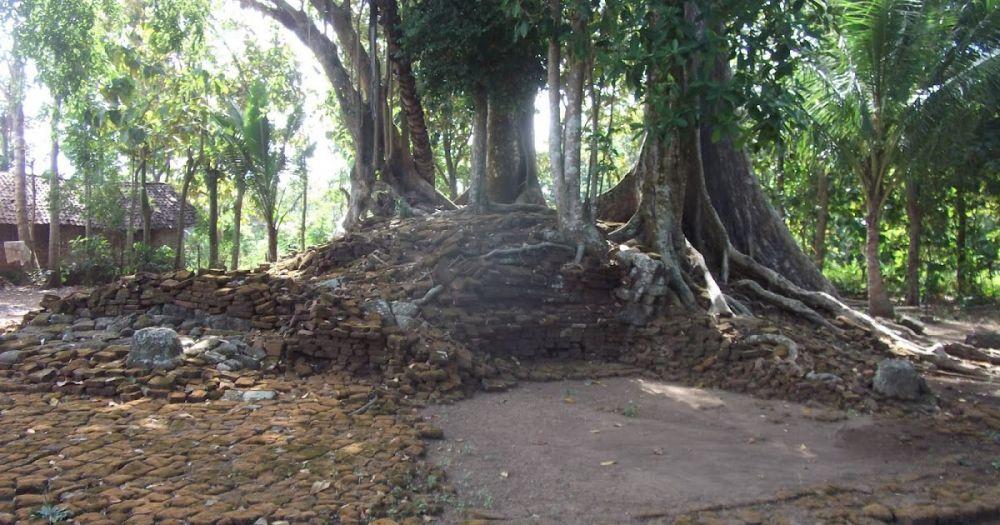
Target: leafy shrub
151, 259
90, 262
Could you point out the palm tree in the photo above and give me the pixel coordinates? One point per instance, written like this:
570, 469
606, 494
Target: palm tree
896, 67
264, 151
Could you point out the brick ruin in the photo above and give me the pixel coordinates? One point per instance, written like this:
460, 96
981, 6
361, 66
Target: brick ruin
437, 307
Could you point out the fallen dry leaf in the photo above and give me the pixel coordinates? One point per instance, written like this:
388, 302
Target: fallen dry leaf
319, 486
608, 463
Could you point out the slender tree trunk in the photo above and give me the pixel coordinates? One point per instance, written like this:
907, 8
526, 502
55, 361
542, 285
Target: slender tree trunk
449, 164
55, 239
878, 296
477, 176
147, 210
822, 216
913, 228
556, 166
5, 125
212, 181
272, 236
593, 168
570, 209
133, 207
305, 204
962, 225
241, 189
20, 177
189, 170
781, 179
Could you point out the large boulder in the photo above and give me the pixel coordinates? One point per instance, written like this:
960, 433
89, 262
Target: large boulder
897, 378
154, 347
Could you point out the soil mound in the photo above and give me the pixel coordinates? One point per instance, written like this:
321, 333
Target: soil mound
434, 308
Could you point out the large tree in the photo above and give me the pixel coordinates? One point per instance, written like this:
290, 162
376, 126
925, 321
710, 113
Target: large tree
491, 57
363, 107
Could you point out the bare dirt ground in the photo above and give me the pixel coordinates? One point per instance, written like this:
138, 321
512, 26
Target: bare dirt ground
952, 323
623, 449
15, 301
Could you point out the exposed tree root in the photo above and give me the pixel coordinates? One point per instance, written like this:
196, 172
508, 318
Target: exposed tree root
717, 301
786, 303
499, 252
738, 307
825, 301
429, 296
776, 340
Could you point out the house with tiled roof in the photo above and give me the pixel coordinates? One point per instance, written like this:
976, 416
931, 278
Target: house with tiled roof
164, 201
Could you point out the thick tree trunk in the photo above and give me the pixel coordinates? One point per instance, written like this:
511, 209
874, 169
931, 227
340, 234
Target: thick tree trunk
241, 189
362, 177
661, 210
962, 226
878, 296
822, 217
754, 226
477, 176
423, 156
16, 96
620, 202
511, 172
212, 182
55, 238
913, 229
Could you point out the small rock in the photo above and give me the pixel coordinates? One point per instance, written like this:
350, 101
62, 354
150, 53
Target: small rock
227, 349
249, 396
213, 357
11, 357
878, 511
897, 378
143, 321
202, 346
983, 339
912, 324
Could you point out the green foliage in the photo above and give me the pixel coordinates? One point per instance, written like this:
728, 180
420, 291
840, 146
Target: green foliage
461, 48
150, 259
52, 513
90, 262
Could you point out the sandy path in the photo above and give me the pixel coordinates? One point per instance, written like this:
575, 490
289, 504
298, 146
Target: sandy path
541, 451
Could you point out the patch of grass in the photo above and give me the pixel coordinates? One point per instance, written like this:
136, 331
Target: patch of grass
52, 513
631, 410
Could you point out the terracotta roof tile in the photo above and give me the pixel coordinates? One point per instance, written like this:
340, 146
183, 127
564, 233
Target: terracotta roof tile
162, 197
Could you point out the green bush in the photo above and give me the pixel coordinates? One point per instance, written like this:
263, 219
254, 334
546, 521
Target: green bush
151, 259
90, 262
